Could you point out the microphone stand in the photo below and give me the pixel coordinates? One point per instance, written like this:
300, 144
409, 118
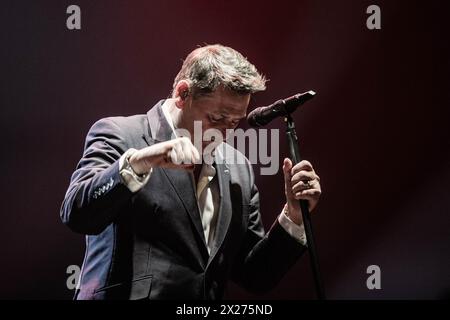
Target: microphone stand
295, 157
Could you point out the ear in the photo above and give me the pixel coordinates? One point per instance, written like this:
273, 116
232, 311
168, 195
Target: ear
182, 91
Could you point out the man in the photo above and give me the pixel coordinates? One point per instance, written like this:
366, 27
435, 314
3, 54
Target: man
162, 223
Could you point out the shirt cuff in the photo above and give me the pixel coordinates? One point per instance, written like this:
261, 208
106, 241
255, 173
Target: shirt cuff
295, 230
131, 180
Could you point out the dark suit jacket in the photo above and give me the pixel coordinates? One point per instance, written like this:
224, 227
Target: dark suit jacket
150, 244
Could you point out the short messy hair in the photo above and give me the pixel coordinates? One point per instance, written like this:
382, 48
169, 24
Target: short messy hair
210, 66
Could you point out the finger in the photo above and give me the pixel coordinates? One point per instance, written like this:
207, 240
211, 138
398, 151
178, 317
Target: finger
287, 166
191, 154
195, 155
169, 156
306, 185
172, 156
310, 194
186, 147
181, 156
303, 175
177, 154
300, 186
302, 165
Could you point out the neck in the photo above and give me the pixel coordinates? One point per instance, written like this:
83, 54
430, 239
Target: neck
175, 113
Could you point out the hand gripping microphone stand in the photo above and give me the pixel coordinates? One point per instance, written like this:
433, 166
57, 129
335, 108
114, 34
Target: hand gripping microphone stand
262, 116
295, 157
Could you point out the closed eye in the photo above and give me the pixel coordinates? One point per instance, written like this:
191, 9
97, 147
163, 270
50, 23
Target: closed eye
215, 119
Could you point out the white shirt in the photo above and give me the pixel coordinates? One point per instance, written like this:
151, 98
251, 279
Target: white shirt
207, 193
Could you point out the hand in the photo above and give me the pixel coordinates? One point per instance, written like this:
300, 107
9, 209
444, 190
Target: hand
178, 153
300, 182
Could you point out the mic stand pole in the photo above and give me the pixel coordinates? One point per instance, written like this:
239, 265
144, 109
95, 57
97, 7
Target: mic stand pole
295, 157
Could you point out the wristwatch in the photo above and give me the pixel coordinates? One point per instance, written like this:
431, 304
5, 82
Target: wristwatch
132, 180
127, 166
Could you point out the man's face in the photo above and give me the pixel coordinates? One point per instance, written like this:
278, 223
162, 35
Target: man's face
221, 110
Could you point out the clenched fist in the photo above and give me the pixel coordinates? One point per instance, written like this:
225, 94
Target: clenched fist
177, 153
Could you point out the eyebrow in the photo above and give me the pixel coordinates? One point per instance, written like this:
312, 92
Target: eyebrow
225, 114
234, 118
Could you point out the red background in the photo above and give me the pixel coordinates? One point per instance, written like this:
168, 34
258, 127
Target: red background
377, 132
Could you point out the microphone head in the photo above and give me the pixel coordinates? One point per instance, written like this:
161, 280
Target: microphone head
301, 98
252, 118
263, 115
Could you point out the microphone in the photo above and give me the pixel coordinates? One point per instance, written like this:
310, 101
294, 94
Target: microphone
263, 115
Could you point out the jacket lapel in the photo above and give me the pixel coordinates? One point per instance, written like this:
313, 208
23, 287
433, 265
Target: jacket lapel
225, 210
182, 183
181, 180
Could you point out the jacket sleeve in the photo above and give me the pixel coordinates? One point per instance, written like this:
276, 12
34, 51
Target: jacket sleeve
96, 192
264, 259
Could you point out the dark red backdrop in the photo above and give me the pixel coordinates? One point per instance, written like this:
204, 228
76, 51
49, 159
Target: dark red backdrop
377, 132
